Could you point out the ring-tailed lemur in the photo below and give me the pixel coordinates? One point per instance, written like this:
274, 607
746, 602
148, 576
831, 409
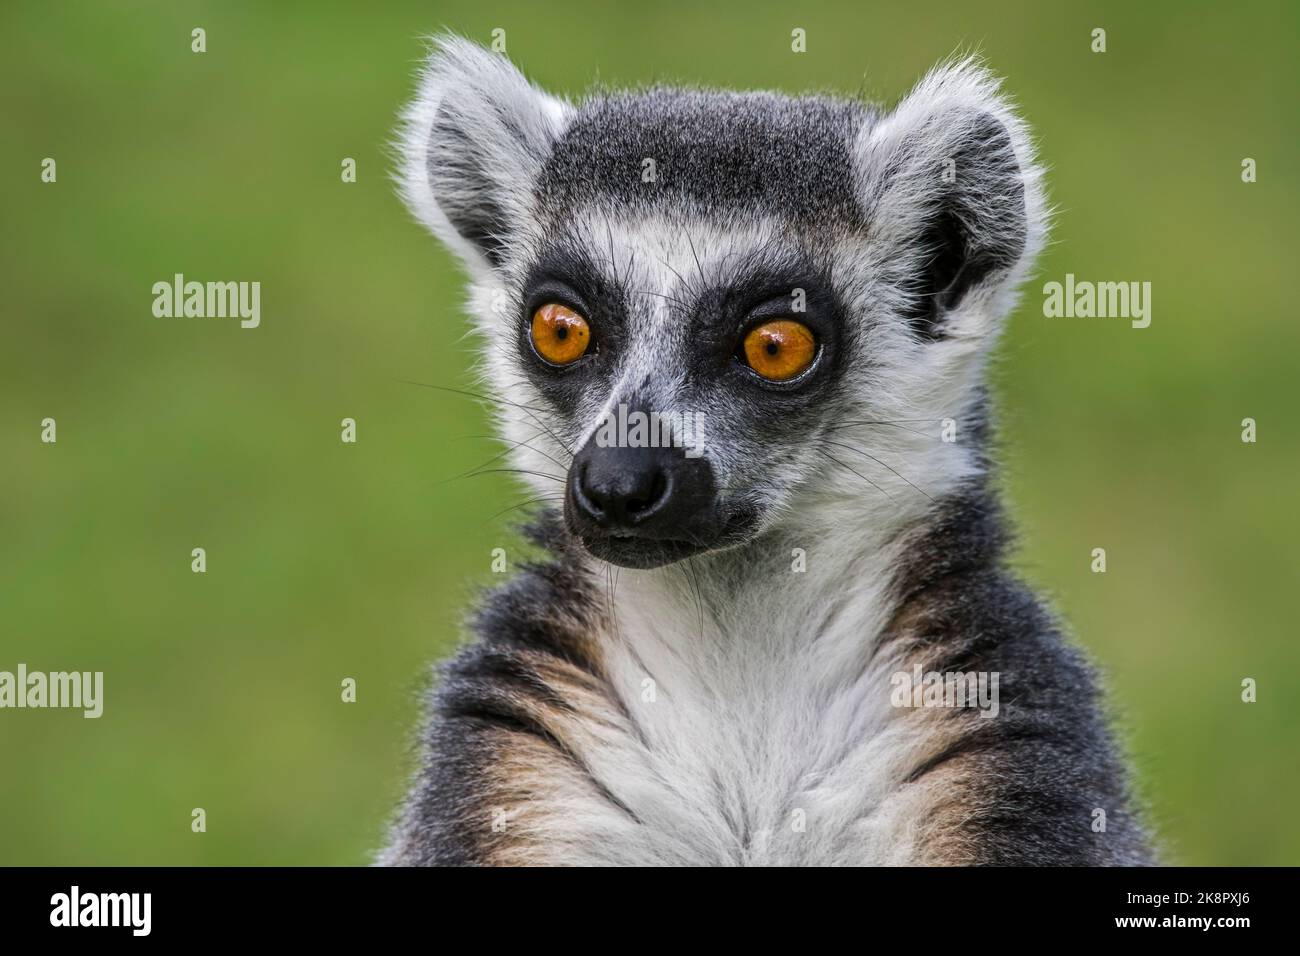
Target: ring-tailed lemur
721, 659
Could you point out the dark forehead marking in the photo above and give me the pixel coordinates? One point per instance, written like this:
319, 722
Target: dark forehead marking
713, 152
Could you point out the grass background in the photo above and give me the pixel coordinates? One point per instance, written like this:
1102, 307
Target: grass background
328, 560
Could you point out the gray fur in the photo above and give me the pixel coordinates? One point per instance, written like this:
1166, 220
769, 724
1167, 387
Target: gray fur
767, 735
739, 152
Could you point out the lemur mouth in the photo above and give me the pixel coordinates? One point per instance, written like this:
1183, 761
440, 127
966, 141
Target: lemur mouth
630, 551
639, 551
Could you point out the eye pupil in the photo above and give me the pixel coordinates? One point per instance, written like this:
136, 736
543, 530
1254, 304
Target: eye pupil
560, 335
780, 349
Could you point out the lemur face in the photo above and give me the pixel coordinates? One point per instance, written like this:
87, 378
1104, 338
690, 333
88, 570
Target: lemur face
698, 305
706, 302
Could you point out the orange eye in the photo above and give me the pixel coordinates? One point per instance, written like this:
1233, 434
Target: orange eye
560, 335
781, 349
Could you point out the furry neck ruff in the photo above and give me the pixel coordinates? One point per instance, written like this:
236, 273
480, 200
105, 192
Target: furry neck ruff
740, 711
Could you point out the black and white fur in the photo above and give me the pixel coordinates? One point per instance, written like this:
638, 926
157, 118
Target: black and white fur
690, 712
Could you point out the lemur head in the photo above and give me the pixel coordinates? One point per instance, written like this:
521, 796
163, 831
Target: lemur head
807, 286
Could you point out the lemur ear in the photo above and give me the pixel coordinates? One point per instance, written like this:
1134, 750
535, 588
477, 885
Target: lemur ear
951, 190
472, 145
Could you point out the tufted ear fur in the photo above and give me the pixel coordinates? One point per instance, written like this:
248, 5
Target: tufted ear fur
951, 190
472, 145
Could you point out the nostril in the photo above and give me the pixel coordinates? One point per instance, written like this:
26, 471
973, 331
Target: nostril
642, 502
588, 498
619, 497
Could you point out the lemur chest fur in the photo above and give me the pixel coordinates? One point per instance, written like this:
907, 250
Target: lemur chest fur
687, 775
756, 733
716, 718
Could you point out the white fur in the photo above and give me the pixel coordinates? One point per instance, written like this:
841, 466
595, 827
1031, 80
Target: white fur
770, 698
900, 159
494, 103
769, 738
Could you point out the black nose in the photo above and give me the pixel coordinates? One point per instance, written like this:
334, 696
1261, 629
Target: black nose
642, 507
619, 489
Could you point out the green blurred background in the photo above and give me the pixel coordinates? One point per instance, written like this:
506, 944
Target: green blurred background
328, 560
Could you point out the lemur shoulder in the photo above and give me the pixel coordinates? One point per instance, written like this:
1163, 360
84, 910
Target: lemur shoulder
703, 670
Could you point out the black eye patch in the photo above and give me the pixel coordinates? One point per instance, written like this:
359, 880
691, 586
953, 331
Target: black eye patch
762, 287
567, 275
713, 305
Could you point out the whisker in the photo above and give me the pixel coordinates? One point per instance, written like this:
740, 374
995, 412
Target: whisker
525, 504
530, 410
699, 594
896, 424
883, 421
516, 471
668, 265
673, 299
527, 443
463, 392
613, 264
501, 454
840, 444
856, 472
694, 255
